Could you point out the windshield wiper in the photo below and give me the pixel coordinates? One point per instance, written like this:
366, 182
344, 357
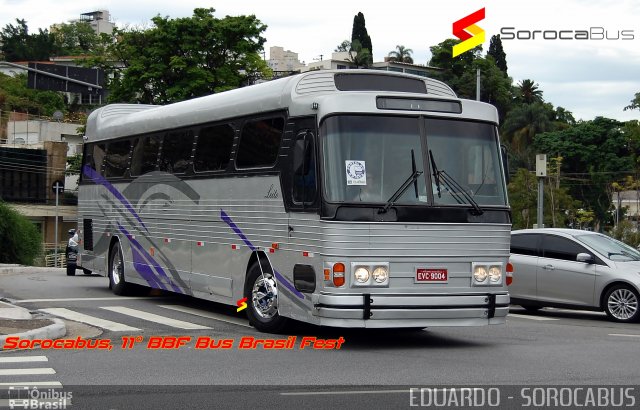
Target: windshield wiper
622, 253
436, 173
457, 191
413, 178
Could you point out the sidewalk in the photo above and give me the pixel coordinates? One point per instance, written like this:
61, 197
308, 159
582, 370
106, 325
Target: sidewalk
18, 321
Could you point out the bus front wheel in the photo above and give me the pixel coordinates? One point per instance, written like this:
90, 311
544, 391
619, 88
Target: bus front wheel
261, 292
116, 271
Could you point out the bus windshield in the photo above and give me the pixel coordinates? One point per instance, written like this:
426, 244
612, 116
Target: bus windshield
368, 158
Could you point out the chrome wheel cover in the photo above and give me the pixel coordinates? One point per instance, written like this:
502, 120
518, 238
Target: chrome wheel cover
264, 296
622, 304
116, 268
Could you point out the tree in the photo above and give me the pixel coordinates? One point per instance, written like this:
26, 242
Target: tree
401, 54
17, 44
495, 88
343, 47
442, 57
559, 206
359, 33
563, 118
595, 154
15, 96
20, 241
77, 38
635, 103
360, 57
528, 92
497, 52
522, 123
183, 58
452, 68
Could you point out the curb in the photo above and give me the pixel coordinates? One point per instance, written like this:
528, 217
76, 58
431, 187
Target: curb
54, 331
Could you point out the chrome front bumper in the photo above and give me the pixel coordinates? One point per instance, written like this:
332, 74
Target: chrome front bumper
410, 310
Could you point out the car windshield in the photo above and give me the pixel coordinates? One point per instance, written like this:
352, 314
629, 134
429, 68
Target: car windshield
609, 247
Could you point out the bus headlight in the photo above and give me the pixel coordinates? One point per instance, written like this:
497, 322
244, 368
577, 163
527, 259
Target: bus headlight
361, 274
487, 274
495, 274
480, 273
380, 274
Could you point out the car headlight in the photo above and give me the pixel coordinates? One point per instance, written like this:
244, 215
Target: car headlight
361, 274
480, 273
495, 273
380, 274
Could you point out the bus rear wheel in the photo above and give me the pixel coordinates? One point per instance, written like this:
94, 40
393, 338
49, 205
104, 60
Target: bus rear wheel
117, 283
261, 292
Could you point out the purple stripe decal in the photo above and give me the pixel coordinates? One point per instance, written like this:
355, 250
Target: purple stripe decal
99, 179
232, 225
288, 284
142, 267
238, 231
151, 261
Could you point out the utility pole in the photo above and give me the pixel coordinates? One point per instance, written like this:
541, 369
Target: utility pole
478, 84
58, 187
541, 173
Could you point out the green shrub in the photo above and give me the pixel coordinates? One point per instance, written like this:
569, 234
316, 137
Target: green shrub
20, 241
627, 232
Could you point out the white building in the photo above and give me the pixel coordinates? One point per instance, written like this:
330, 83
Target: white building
32, 133
629, 200
100, 21
338, 61
281, 60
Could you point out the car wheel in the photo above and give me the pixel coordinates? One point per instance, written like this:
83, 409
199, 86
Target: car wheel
86, 271
71, 269
262, 295
116, 271
621, 304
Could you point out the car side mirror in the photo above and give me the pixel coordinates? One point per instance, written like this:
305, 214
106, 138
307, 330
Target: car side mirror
584, 257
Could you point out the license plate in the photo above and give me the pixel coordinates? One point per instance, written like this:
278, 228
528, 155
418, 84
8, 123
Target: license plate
431, 275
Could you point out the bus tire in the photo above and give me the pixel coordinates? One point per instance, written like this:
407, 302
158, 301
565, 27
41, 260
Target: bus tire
116, 271
262, 305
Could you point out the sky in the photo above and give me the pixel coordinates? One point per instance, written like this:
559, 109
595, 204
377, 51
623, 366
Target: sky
592, 77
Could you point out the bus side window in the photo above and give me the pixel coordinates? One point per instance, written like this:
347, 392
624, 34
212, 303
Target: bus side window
95, 157
304, 168
145, 155
117, 159
213, 149
177, 149
87, 159
260, 142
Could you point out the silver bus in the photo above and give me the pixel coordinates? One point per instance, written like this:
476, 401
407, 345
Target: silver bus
347, 198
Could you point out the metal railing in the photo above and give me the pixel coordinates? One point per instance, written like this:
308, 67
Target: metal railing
50, 259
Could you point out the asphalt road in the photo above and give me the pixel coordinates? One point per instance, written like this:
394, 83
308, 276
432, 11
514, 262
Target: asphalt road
372, 369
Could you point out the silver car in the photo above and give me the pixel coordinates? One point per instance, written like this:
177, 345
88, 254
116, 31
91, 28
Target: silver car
575, 269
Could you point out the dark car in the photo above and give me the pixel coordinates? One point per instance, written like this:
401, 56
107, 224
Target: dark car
575, 269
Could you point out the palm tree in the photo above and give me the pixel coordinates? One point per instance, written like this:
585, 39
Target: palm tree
528, 92
522, 124
401, 55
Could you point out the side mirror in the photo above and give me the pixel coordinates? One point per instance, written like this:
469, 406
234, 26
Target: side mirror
584, 257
